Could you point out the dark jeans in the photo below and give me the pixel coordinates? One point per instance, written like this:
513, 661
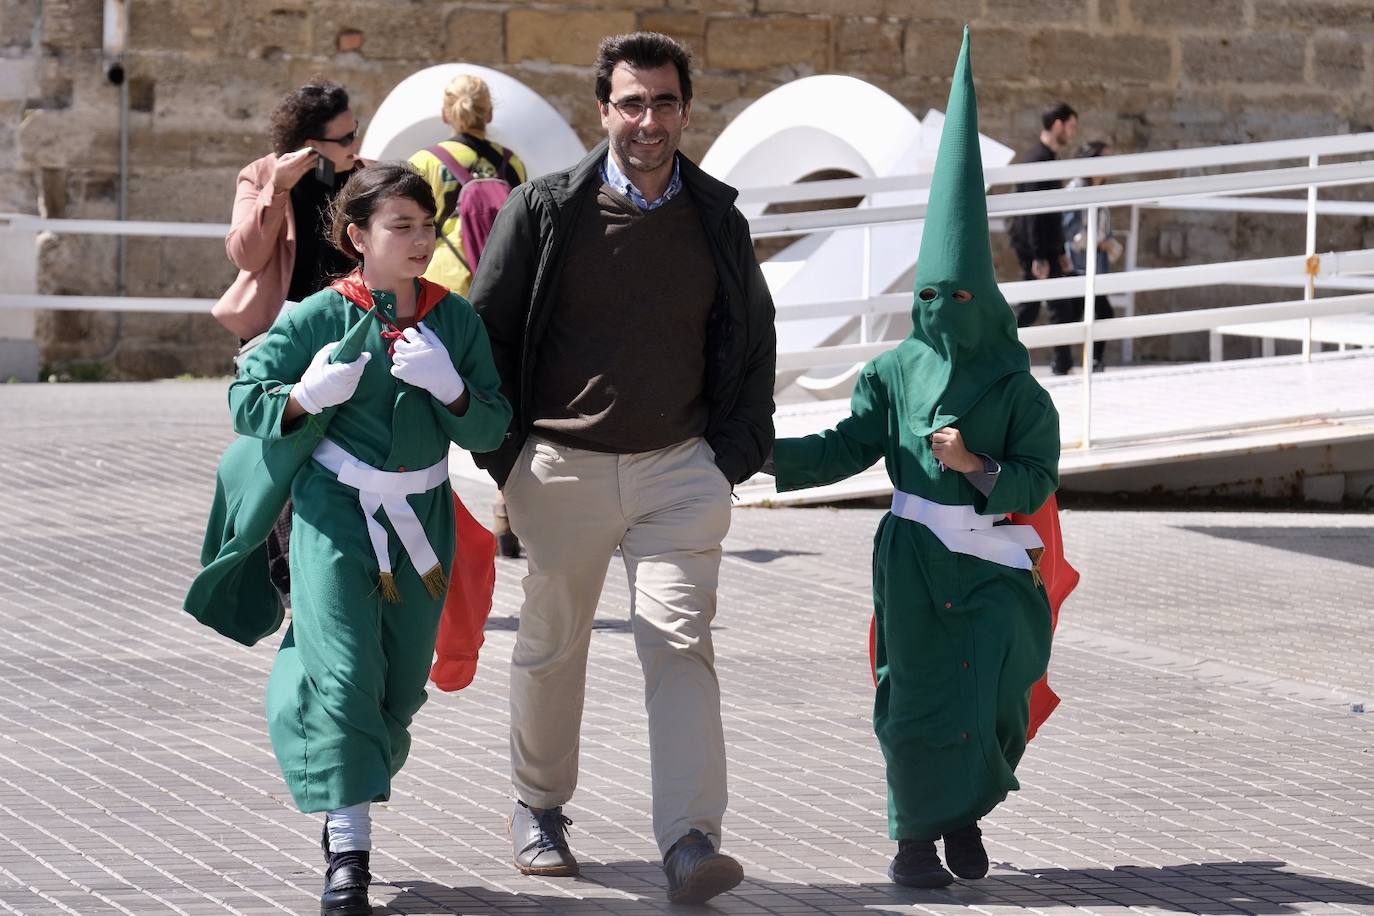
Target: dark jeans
1062, 311
279, 554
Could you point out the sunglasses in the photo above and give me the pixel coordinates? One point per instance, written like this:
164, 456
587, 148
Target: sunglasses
346, 140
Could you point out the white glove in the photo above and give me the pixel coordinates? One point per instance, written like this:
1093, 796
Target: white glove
327, 384
421, 359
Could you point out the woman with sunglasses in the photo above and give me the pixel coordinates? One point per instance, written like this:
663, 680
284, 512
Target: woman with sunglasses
281, 209
279, 234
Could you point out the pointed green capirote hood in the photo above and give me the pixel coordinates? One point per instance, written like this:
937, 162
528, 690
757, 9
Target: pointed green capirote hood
972, 341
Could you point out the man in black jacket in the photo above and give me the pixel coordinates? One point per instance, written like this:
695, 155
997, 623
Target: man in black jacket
633, 332
1038, 239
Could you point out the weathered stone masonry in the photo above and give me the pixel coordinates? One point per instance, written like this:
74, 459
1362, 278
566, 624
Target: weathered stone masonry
1147, 74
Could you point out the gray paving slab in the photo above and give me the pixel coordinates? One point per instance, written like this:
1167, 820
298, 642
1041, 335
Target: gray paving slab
1205, 759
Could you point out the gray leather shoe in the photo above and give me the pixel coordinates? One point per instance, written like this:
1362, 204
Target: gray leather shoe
541, 847
696, 872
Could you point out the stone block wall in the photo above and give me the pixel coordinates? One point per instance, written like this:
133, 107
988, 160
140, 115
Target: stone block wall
204, 74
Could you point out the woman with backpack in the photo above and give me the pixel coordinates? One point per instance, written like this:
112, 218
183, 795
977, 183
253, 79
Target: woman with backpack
471, 177
451, 166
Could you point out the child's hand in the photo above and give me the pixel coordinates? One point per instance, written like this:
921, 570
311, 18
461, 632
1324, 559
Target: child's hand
327, 384
422, 360
948, 446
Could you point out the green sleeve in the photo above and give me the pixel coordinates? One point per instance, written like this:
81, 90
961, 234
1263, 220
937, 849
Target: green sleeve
258, 397
483, 426
1030, 467
852, 446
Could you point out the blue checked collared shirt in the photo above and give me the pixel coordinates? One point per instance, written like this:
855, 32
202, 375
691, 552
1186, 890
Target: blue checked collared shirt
611, 174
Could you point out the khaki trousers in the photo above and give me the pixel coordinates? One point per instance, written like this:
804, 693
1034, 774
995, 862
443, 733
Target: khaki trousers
668, 511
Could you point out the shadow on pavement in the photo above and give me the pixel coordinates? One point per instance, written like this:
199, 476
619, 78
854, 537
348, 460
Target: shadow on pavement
1349, 545
767, 555
511, 622
1261, 888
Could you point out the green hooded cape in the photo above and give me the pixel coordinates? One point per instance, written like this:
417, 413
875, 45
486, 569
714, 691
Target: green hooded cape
960, 639
233, 594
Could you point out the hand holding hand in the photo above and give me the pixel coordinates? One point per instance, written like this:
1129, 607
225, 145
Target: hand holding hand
422, 360
291, 167
948, 446
327, 384
1113, 247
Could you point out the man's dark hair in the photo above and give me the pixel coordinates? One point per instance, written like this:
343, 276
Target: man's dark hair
1059, 111
643, 51
302, 115
365, 191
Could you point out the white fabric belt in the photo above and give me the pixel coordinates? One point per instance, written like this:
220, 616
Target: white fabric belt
962, 530
387, 489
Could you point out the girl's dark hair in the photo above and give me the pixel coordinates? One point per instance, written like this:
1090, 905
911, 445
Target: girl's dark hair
303, 114
1091, 149
643, 51
365, 191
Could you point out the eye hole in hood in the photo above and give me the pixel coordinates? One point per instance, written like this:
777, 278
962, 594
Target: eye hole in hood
929, 293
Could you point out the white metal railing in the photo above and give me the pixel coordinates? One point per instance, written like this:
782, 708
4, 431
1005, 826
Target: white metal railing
24, 223
1236, 154
1210, 192
1127, 193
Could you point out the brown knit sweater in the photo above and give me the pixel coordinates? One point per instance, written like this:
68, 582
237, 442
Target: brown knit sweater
622, 363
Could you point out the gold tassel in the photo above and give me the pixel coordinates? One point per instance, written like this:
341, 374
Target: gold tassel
436, 583
1035, 554
387, 583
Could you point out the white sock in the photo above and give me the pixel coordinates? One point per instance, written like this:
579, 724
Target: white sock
350, 828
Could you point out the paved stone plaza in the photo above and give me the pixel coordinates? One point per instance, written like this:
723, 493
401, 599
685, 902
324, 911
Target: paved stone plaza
1207, 757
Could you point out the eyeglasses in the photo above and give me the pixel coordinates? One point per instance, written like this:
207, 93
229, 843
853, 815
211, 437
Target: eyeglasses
634, 109
346, 140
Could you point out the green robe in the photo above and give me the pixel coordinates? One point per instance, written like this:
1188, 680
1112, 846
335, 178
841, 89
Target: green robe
961, 640
350, 674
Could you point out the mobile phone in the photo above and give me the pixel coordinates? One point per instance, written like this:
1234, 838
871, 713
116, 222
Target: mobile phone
324, 169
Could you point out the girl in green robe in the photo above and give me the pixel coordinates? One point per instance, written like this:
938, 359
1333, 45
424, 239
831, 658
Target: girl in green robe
967, 436
372, 542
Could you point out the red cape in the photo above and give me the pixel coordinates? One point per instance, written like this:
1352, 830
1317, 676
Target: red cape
473, 580
462, 628
1060, 580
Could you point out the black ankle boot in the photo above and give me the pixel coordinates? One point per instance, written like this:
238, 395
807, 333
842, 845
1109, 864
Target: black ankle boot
964, 852
917, 865
345, 885
507, 544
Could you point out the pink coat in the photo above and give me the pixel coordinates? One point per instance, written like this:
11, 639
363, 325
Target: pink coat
262, 245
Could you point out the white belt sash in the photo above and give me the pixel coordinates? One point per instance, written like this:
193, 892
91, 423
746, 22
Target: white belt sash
962, 530
379, 489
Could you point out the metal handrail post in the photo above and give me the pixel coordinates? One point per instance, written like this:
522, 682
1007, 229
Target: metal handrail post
1310, 290
1089, 312
1132, 261
866, 283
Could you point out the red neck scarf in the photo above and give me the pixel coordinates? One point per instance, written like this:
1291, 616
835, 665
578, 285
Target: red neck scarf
356, 291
